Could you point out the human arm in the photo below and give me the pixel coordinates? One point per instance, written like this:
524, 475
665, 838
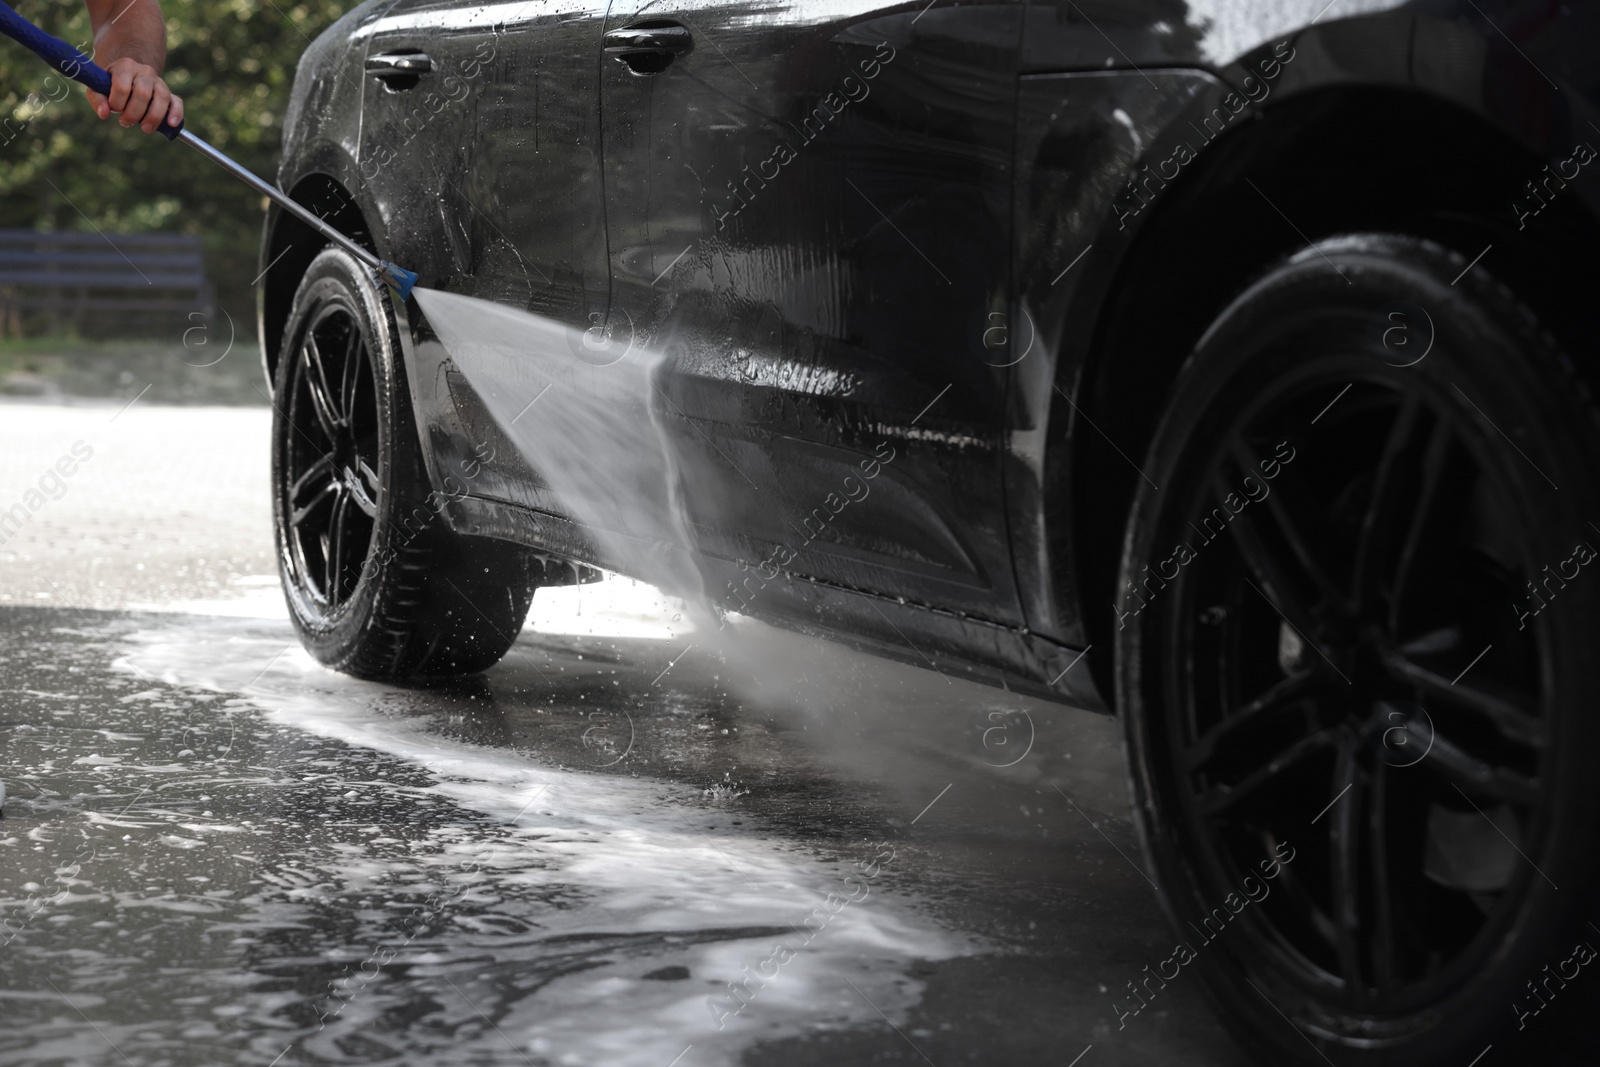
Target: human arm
130, 41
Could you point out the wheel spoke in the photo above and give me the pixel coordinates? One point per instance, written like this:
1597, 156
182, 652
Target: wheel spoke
1434, 460
1381, 942
1306, 904
1503, 709
373, 482
1344, 862
335, 552
1271, 577
353, 352
327, 493
317, 387
1306, 569
1219, 798
1387, 485
1405, 489
322, 468
358, 492
1281, 695
1476, 776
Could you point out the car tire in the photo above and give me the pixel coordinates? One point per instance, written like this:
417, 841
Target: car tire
378, 585
1362, 742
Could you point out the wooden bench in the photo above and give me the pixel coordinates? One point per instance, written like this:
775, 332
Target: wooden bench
101, 283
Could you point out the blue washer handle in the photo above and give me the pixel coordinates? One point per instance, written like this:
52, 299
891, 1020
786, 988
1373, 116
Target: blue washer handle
66, 59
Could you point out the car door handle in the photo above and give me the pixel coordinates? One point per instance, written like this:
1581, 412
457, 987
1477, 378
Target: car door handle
399, 70
648, 48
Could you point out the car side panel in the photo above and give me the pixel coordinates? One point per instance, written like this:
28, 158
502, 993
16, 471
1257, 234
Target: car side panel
1454, 53
810, 215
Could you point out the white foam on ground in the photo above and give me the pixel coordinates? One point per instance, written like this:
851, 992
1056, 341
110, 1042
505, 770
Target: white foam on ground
640, 858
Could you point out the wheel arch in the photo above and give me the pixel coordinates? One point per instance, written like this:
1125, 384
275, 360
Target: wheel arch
1339, 148
288, 246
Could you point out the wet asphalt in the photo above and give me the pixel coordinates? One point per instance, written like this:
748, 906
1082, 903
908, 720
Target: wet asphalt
215, 852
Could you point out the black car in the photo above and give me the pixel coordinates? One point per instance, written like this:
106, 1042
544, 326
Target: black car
1224, 366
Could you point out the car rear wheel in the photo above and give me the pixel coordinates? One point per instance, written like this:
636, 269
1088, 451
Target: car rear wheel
378, 585
1356, 668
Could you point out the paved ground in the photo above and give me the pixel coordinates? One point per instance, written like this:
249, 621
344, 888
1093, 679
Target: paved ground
214, 852
170, 504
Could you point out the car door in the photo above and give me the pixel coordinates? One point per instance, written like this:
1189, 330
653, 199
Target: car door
809, 215
494, 146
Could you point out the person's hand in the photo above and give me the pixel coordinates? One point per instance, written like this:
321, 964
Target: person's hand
138, 95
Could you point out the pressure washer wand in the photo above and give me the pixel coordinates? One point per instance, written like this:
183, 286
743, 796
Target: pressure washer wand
398, 278
80, 68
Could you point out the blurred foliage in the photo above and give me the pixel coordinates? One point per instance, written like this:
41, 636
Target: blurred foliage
232, 62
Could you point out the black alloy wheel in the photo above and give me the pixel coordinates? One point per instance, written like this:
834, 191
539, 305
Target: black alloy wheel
333, 453
1362, 737
378, 583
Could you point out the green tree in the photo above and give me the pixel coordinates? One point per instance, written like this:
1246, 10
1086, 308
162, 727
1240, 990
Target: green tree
232, 61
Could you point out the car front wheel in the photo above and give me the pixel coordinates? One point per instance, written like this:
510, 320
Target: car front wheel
377, 584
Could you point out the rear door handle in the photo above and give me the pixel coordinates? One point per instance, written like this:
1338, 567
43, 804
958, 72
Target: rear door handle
649, 47
399, 70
